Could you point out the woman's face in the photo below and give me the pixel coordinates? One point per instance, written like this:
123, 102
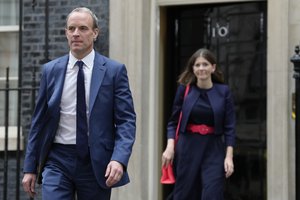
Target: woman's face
203, 69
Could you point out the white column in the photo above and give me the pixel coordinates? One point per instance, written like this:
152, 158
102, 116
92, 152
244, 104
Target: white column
130, 34
278, 96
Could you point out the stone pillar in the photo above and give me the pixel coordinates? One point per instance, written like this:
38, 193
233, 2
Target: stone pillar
278, 116
129, 36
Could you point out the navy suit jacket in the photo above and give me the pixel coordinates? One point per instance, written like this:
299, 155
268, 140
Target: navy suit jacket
111, 117
222, 105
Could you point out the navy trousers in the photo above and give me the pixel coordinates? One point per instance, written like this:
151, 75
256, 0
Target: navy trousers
65, 176
199, 170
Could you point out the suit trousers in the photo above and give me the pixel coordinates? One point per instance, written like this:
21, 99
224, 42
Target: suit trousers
199, 170
66, 176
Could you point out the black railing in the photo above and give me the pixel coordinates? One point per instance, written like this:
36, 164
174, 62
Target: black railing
296, 61
11, 188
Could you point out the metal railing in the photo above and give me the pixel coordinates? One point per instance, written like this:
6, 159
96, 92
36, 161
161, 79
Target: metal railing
29, 93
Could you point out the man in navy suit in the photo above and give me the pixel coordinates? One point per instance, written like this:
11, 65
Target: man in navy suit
71, 153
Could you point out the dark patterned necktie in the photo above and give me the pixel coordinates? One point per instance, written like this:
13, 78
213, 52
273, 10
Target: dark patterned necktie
81, 119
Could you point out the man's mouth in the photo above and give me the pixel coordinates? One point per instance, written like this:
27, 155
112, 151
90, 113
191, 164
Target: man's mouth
76, 42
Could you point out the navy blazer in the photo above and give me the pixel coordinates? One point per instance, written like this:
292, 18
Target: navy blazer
222, 105
111, 117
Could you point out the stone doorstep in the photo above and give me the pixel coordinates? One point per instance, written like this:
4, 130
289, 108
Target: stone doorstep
12, 138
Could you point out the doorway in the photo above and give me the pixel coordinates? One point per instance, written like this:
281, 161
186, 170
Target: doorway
236, 33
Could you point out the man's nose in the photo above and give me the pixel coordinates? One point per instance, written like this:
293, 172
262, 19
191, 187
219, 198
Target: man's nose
76, 31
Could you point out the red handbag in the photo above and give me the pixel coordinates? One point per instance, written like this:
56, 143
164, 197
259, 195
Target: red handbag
167, 176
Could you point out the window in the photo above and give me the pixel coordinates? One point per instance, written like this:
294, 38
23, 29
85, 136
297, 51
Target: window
9, 12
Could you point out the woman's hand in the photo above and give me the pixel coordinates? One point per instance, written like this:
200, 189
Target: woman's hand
168, 154
228, 162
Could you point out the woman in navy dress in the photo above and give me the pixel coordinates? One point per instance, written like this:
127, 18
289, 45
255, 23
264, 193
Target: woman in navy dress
203, 155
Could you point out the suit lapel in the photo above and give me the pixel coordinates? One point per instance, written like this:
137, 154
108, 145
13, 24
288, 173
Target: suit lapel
97, 78
216, 102
187, 106
59, 72
190, 100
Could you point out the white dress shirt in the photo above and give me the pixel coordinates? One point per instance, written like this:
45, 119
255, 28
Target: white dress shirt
66, 132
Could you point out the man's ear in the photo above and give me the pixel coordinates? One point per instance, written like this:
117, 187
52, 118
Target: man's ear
96, 33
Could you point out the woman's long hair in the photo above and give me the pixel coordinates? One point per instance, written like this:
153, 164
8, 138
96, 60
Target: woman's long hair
188, 76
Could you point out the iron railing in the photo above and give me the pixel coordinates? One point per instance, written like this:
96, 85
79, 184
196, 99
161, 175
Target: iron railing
29, 93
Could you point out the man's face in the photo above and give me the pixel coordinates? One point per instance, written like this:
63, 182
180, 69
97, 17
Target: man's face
80, 34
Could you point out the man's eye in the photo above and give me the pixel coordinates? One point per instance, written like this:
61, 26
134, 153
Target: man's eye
71, 28
83, 28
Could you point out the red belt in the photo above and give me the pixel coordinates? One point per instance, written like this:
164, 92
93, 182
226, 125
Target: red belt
200, 128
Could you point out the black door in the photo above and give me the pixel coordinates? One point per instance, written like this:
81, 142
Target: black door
236, 33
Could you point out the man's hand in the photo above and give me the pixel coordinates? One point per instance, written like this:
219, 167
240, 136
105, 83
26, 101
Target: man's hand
114, 173
29, 184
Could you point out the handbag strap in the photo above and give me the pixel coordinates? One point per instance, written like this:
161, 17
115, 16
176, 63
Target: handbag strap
187, 88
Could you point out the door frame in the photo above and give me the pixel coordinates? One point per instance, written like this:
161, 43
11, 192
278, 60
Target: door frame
278, 144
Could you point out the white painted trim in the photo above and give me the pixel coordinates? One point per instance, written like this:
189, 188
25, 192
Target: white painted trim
12, 28
11, 78
153, 146
187, 2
